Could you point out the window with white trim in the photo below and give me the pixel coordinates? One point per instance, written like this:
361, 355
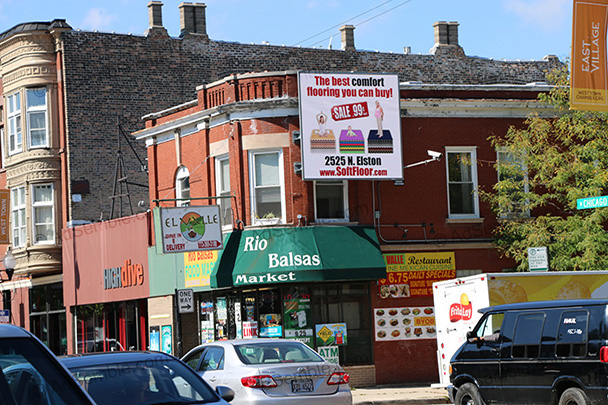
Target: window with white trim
13, 115
331, 201
222, 189
461, 166
182, 187
18, 224
267, 202
513, 173
37, 117
43, 214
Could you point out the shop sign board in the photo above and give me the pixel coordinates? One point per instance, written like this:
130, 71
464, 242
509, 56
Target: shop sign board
406, 323
185, 301
350, 126
413, 274
188, 229
198, 267
5, 316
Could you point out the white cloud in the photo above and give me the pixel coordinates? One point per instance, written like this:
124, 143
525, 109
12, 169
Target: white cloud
98, 19
546, 14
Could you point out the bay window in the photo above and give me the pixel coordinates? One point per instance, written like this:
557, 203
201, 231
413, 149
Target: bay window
37, 117
222, 189
13, 109
43, 213
18, 215
267, 187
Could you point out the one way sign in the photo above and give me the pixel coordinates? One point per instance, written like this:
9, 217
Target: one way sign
185, 300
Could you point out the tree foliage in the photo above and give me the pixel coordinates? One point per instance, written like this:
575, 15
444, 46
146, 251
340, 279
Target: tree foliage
550, 163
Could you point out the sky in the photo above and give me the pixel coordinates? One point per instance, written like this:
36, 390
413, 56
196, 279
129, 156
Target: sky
497, 29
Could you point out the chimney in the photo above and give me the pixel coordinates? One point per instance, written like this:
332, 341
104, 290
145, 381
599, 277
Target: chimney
446, 33
192, 18
155, 16
348, 37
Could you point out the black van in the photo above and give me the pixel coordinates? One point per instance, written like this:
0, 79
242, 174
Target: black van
546, 352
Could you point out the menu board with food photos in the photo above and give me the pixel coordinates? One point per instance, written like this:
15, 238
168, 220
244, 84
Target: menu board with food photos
404, 323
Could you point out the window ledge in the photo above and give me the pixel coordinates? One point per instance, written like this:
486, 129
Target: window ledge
456, 221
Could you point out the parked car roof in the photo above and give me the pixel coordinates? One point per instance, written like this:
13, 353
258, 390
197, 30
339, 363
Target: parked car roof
102, 358
544, 304
8, 330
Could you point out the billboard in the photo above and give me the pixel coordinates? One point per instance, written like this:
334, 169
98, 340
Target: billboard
350, 126
187, 229
588, 81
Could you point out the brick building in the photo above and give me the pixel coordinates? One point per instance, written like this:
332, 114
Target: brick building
68, 95
216, 143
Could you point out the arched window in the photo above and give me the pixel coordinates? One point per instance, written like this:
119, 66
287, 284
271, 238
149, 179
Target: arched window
182, 187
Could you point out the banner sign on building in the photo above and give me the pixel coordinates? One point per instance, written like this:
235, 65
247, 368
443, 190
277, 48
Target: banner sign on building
350, 126
4, 210
187, 229
589, 81
198, 267
413, 274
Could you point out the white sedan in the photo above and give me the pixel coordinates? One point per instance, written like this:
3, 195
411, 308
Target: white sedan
265, 371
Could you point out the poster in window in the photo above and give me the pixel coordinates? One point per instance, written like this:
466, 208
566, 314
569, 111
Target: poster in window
167, 339
154, 338
297, 315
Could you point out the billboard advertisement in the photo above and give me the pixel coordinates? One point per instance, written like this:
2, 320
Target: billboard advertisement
350, 126
589, 81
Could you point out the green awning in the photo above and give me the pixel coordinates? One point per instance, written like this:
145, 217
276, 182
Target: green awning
294, 255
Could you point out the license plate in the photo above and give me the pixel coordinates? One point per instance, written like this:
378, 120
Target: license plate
302, 386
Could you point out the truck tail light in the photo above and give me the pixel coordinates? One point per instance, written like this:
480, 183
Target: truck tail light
604, 354
338, 378
259, 381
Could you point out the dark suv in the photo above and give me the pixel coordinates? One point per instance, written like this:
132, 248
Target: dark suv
546, 352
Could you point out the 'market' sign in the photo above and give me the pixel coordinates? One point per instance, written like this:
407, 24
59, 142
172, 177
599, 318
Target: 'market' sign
350, 126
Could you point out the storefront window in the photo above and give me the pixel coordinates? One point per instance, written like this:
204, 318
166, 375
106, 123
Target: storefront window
110, 327
47, 316
221, 314
297, 315
269, 306
207, 322
347, 303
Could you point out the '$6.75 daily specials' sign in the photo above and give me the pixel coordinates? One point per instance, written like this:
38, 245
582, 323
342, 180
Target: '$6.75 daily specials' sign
350, 126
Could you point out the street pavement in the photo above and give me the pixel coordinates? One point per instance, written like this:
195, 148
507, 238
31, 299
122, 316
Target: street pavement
414, 395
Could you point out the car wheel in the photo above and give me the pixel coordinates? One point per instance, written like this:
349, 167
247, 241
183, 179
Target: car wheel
573, 396
468, 394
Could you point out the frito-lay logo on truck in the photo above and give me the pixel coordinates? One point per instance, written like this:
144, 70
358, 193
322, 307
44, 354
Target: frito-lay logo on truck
462, 310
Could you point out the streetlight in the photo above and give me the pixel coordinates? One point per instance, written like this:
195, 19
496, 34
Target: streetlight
9, 265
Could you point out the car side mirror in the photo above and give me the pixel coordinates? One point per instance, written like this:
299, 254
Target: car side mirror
226, 393
470, 336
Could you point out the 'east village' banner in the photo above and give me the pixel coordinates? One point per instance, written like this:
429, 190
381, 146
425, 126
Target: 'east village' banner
588, 81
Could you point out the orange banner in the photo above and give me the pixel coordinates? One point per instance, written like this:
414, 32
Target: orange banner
588, 81
4, 213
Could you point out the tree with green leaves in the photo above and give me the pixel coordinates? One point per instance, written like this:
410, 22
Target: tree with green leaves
543, 169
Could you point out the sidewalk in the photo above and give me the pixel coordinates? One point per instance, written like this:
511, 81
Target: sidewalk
399, 395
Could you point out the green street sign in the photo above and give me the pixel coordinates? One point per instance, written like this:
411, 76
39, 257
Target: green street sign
592, 202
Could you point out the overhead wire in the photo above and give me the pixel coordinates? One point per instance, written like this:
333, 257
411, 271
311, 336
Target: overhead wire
359, 24
342, 23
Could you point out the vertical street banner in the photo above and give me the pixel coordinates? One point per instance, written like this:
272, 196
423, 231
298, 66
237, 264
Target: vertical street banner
4, 210
350, 126
588, 80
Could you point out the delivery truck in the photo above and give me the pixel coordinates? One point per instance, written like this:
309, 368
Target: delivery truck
458, 301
